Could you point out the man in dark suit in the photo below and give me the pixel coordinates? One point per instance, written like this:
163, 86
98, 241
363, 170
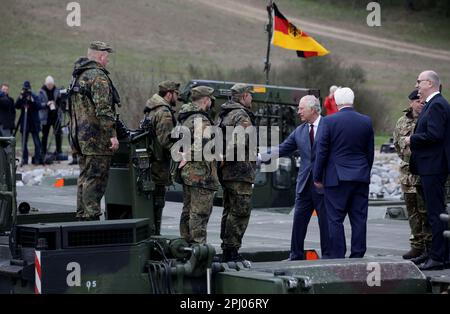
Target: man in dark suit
430, 158
7, 112
308, 198
345, 152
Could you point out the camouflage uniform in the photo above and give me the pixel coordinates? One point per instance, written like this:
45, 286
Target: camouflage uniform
92, 125
410, 184
161, 116
199, 177
236, 177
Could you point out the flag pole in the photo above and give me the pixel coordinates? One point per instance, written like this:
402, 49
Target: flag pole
269, 30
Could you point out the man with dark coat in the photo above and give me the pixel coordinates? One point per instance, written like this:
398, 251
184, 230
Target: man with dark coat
345, 153
308, 197
430, 159
29, 105
7, 112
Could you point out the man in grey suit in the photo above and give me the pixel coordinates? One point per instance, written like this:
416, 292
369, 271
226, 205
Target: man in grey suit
308, 198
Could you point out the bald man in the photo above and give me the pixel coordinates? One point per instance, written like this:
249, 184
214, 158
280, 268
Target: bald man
430, 158
345, 152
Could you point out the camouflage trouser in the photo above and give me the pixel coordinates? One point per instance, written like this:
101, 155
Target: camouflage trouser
197, 207
94, 171
159, 200
417, 217
237, 206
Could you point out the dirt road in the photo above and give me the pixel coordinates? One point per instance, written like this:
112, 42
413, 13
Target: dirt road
246, 11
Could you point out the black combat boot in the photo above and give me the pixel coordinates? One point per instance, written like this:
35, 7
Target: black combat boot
74, 160
412, 253
227, 255
236, 257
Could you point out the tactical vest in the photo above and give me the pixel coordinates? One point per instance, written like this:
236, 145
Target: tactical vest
223, 113
75, 88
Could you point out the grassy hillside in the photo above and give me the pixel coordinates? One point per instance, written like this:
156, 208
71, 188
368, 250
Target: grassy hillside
159, 39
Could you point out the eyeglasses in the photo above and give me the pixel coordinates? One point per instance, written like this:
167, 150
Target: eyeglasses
418, 81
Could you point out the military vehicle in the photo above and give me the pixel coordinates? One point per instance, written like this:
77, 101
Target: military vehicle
47, 253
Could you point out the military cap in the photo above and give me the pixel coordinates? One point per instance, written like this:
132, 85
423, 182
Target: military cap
168, 86
100, 46
414, 95
201, 91
239, 89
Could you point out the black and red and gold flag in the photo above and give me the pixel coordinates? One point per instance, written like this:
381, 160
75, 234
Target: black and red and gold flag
288, 36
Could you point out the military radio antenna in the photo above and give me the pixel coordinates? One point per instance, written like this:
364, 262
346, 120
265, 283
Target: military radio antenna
269, 30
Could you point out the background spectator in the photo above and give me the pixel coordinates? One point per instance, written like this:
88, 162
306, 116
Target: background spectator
330, 103
29, 105
7, 112
50, 115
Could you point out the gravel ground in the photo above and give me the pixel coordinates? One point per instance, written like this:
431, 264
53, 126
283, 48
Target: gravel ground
384, 181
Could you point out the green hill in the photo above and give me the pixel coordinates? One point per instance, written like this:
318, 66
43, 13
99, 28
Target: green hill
159, 39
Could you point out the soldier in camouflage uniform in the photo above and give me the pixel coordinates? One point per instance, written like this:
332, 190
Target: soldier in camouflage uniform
199, 178
158, 111
410, 184
92, 102
238, 174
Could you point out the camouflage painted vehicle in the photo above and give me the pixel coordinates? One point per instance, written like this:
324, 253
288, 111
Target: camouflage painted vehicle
44, 254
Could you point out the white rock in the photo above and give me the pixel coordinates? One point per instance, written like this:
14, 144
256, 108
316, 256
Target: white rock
374, 188
375, 179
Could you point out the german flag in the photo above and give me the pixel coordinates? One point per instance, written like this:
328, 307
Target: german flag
288, 36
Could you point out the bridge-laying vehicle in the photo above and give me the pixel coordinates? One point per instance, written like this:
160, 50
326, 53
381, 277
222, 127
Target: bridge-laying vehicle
48, 253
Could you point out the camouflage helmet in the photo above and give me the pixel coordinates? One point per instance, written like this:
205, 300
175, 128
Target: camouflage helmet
202, 91
239, 89
100, 46
169, 86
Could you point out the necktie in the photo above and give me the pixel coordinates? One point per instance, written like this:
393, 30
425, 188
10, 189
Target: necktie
311, 134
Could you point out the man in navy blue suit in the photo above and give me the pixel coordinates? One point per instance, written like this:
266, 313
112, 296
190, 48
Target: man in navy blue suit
430, 158
302, 140
345, 152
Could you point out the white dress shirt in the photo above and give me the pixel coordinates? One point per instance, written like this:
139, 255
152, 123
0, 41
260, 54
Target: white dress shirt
431, 96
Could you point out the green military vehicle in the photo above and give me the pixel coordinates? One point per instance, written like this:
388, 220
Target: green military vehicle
52, 253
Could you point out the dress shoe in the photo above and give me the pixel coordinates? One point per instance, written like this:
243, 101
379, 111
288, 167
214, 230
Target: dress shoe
413, 253
431, 264
421, 259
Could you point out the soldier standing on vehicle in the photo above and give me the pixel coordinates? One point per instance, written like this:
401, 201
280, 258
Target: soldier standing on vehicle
199, 177
237, 175
159, 115
92, 100
410, 184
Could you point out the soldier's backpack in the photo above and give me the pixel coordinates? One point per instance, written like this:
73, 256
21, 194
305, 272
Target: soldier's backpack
148, 124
